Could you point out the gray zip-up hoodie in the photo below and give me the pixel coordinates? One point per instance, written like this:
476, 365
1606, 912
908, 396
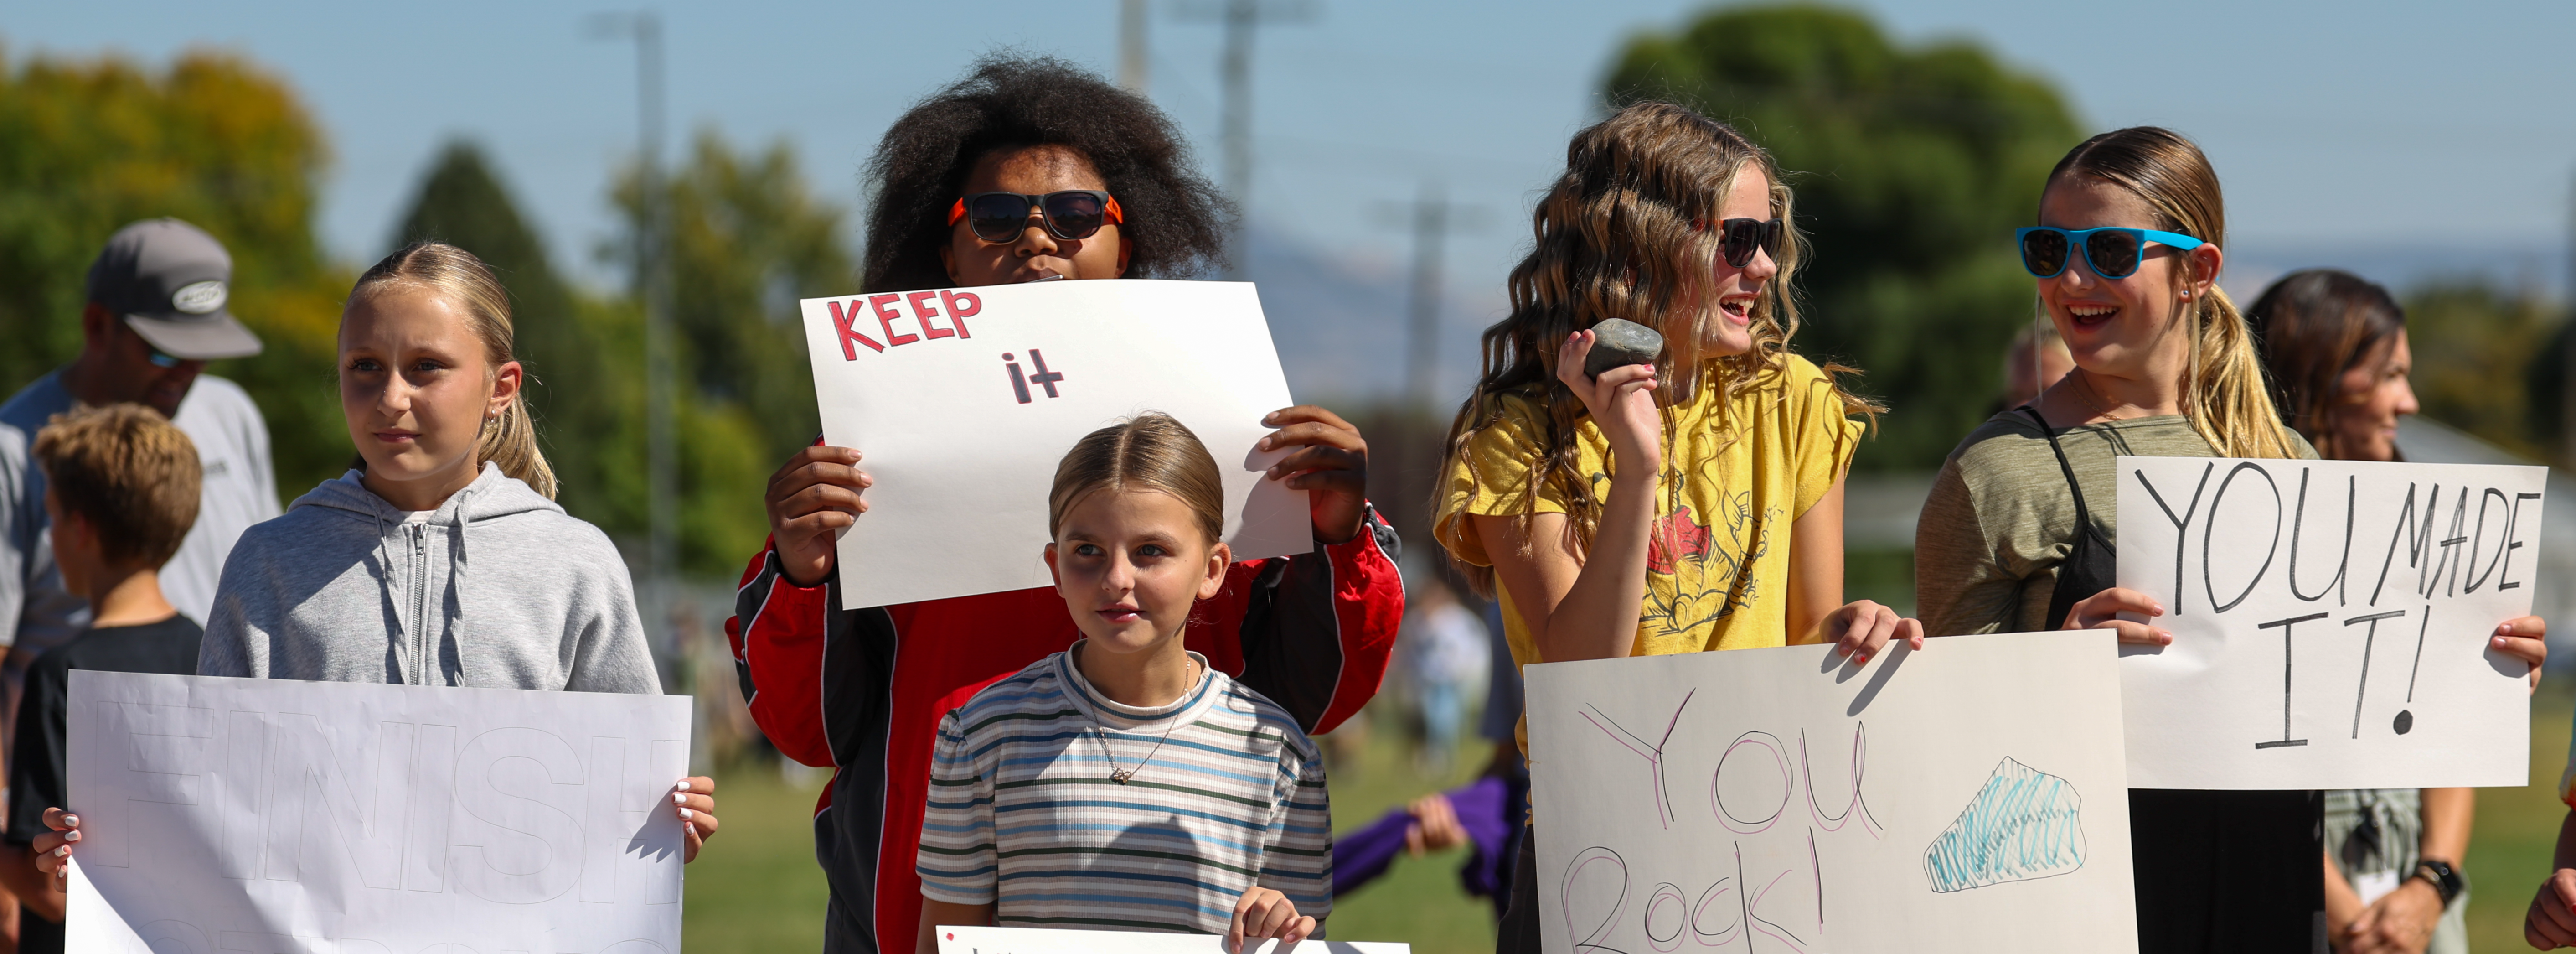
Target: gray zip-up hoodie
498, 588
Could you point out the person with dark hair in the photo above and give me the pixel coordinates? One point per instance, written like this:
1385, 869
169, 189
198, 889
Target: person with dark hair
2335, 345
1028, 169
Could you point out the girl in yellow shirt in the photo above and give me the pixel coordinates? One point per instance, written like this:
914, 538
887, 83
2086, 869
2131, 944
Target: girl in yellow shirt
1693, 503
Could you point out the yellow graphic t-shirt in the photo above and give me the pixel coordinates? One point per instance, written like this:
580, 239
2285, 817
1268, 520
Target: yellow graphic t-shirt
1717, 561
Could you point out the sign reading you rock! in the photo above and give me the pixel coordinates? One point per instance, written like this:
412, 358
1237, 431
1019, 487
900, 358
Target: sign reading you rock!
1969, 797
2331, 622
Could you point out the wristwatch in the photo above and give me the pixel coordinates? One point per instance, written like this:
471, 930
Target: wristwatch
2444, 879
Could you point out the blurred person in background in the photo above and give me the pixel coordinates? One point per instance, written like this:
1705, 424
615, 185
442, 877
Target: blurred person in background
1489, 815
1443, 653
154, 316
2036, 359
2335, 345
124, 491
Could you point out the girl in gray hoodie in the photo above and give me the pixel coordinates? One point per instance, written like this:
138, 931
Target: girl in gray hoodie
444, 560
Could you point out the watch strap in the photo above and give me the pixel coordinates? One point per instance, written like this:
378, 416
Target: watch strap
2446, 880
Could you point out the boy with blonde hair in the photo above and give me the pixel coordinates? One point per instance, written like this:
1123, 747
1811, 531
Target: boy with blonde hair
121, 492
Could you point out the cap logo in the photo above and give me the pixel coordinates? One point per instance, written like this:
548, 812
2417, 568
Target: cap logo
199, 298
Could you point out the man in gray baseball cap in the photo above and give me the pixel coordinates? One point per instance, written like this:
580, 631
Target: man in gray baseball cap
156, 314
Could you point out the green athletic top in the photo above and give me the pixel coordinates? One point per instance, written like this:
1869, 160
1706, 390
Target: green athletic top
1999, 518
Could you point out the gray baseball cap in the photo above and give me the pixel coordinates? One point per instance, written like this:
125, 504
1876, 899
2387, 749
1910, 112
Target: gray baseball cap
168, 280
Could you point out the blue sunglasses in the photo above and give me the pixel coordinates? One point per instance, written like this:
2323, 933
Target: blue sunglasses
2109, 252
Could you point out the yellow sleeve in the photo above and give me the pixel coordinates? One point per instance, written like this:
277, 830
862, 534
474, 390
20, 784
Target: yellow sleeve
1821, 436
1492, 476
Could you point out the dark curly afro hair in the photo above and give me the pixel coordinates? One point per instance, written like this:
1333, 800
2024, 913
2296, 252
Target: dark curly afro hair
1175, 220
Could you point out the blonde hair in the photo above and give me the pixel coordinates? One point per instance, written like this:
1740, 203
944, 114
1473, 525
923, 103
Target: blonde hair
2224, 393
128, 471
1627, 231
1150, 451
511, 441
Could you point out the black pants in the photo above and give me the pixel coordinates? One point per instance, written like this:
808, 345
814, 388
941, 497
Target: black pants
2215, 871
2228, 871
1518, 933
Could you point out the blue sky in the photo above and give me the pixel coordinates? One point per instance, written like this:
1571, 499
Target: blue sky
2403, 134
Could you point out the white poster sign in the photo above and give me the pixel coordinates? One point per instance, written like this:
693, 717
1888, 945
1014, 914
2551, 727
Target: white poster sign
272, 816
1001, 940
963, 401
2330, 622
1969, 797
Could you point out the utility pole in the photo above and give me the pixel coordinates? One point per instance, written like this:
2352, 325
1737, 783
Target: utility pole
1131, 46
652, 280
1234, 67
1431, 217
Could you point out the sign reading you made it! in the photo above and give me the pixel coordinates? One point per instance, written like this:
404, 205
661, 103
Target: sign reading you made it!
963, 401
2331, 622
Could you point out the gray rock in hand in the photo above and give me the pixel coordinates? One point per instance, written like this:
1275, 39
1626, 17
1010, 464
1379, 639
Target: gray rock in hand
1618, 341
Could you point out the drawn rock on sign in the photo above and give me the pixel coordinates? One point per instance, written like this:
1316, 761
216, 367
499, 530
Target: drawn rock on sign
2024, 824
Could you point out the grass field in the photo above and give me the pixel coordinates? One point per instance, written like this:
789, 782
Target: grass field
757, 889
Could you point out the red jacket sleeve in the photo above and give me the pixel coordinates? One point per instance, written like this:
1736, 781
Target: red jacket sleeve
779, 631
1313, 632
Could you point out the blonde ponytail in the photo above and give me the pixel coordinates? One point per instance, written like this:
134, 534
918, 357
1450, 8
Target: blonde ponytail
2224, 392
509, 441
2227, 397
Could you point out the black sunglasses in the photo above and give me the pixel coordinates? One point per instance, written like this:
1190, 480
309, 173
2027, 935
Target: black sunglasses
1737, 238
1069, 214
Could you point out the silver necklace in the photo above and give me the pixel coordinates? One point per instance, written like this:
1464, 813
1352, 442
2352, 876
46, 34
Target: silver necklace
1101, 735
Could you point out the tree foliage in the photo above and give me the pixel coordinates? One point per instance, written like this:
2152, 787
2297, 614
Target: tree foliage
1912, 166
88, 145
748, 238
2493, 360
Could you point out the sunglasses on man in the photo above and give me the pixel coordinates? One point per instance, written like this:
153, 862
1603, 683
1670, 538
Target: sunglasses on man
1071, 214
2109, 252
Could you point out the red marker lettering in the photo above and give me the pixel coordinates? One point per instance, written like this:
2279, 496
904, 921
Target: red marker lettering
841, 323
961, 306
923, 311
886, 317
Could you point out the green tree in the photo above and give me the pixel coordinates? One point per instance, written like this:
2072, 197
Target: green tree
88, 145
2473, 340
748, 239
1912, 165
578, 352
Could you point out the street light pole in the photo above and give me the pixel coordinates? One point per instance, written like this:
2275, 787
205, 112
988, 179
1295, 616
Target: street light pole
652, 279
1131, 46
1234, 67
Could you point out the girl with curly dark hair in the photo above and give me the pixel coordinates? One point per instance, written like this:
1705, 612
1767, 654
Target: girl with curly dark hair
1028, 169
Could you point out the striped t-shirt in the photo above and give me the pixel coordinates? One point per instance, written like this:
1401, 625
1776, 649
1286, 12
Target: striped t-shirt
1022, 806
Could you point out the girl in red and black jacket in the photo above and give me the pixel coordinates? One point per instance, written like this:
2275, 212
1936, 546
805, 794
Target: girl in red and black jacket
863, 690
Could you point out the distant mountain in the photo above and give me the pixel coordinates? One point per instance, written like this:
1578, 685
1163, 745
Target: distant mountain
1339, 323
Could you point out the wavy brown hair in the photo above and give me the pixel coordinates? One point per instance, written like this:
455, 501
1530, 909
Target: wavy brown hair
1619, 236
2313, 326
1175, 219
2224, 394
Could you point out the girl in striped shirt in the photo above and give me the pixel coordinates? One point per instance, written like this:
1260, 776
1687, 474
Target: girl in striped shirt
1124, 784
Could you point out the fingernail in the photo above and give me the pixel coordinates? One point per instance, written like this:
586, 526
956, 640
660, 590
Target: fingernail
73, 820
71, 836
684, 785
60, 852
679, 799
684, 814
